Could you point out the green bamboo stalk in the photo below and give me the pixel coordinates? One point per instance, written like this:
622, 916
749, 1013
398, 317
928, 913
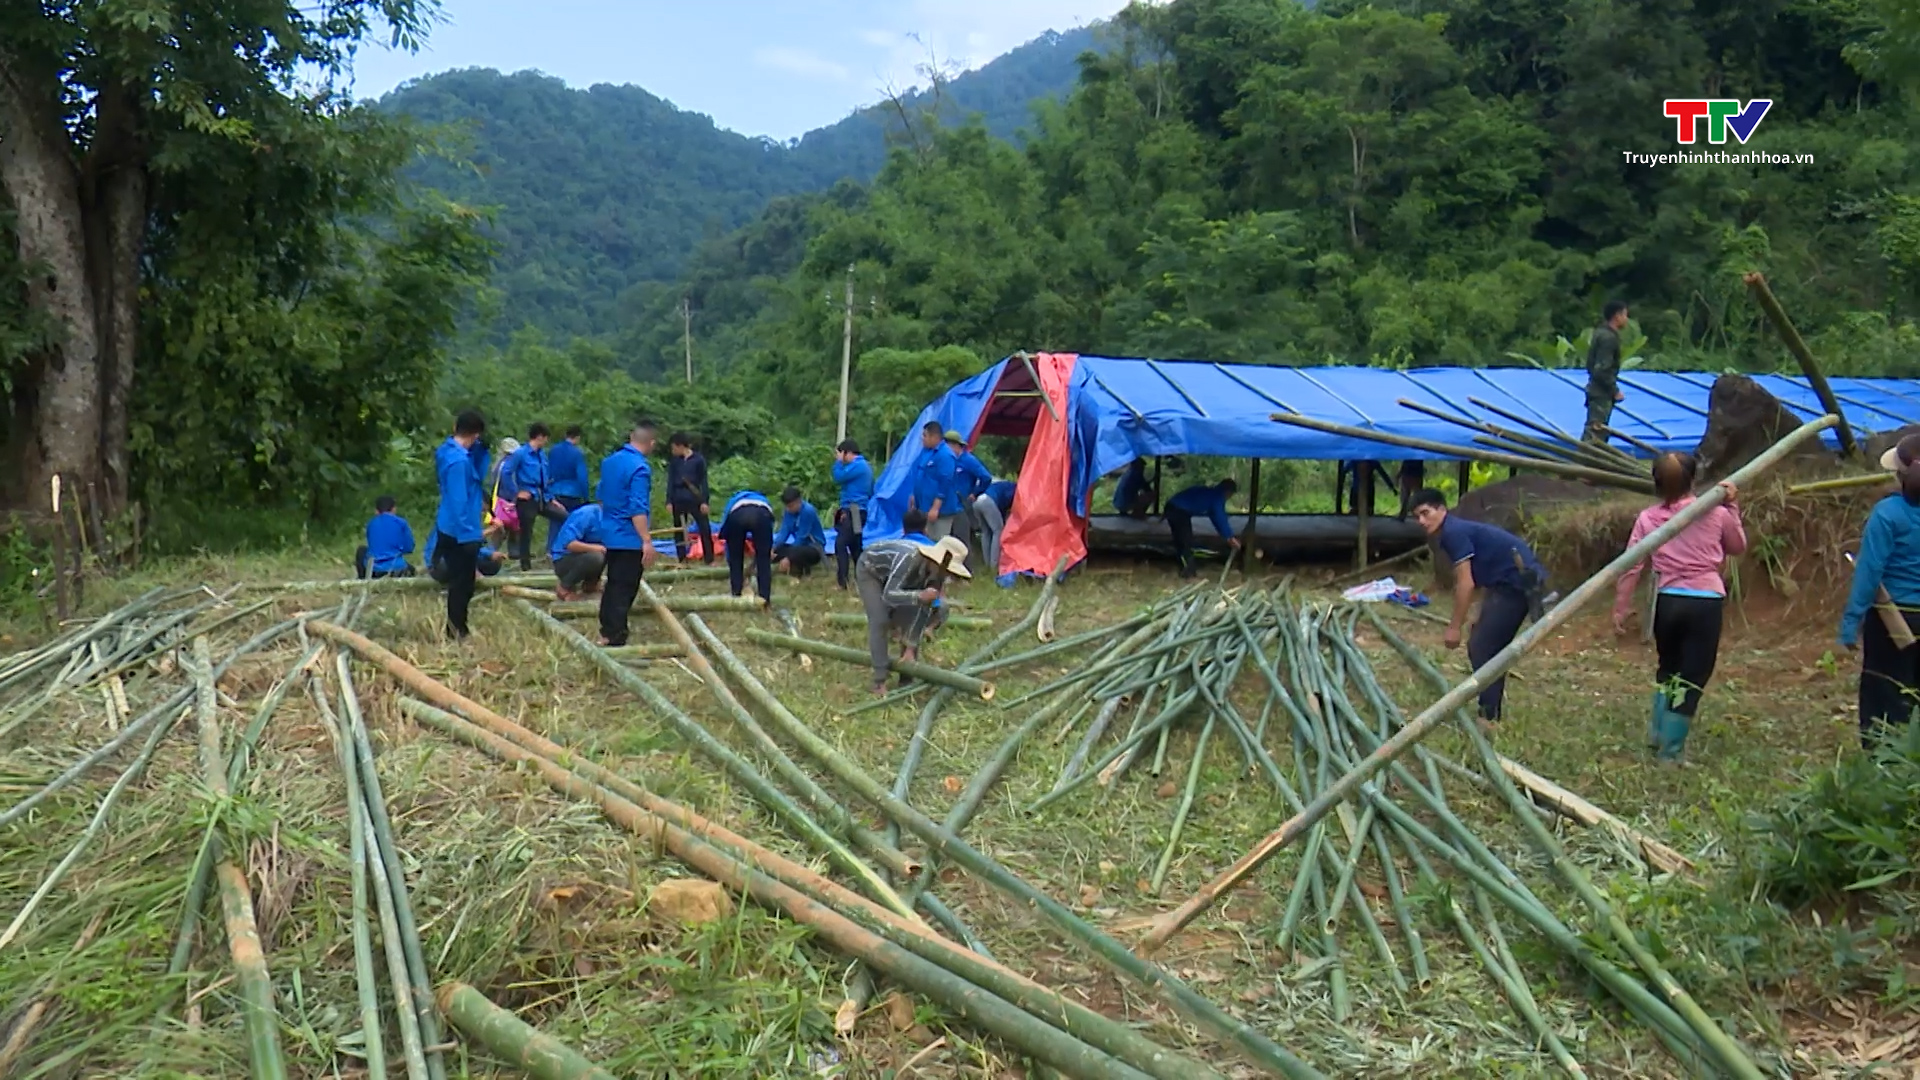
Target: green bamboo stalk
1101, 721
1531, 1008
412, 1046
680, 604
509, 1038
954, 622
652, 650
363, 969
1402, 911
386, 863
924, 672
1302, 881
1186, 806
1257, 1047
1330, 948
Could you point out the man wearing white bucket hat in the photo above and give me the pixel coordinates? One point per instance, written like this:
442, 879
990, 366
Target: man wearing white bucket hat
899, 583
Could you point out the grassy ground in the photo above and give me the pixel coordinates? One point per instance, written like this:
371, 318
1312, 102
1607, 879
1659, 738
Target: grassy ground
539, 903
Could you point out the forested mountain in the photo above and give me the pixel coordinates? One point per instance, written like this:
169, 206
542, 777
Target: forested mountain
1411, 181
599, 191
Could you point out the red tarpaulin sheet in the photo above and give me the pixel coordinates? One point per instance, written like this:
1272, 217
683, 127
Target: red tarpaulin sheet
1043, 525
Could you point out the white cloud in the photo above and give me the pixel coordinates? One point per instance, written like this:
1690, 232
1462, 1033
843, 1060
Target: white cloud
961, 35
800, 62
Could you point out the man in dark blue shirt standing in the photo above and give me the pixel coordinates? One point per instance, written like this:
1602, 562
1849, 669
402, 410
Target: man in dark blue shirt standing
932, 486
1504, 570
626, 497
458, 465
687, 496
567, 471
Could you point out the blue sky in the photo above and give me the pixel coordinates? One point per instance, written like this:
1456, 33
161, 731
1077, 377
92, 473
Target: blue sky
760, 67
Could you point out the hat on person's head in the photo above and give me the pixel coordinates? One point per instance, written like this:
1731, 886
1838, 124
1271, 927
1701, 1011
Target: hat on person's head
1904, 452
954, 437
509, 444
950, 553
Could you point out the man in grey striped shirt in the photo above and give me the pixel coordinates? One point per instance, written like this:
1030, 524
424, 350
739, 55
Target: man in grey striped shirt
899, 582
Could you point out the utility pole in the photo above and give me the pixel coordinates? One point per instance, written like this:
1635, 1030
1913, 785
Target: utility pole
846, 358
686, 322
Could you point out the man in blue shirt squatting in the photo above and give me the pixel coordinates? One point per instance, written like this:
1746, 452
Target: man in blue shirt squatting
458, 466
1506, 573
1196, 501
1889, 557
567, 472
626, 497
530, 480
855, 477
932, 490
579, 553
800, 543
389, 542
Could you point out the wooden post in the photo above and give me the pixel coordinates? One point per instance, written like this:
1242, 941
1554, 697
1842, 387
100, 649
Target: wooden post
846, 359
1157, 493
686, 324
1339, 488
1247, 551
1757, 283
62, 606
1364, 508
1465, 477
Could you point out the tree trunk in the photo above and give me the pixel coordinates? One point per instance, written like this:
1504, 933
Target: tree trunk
80, 234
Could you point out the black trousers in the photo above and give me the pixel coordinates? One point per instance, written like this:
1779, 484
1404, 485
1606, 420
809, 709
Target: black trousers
1501, 613
801, 558
749, 523
528, 509
579, 568
569, 503
848, 523
681, 516
459, 562
1180, 523
1889, 677
624, 570
1686, 636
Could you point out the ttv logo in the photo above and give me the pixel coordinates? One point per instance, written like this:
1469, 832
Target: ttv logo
1722, 115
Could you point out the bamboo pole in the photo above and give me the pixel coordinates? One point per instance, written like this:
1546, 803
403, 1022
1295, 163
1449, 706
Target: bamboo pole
1577, 472
1763, 295
1496, 667
375, 1051
924, 672
509, 1038
652, 650
954, 622
681, 604
1842, 484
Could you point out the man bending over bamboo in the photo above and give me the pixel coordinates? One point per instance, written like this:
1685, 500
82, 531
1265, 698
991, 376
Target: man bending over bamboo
901, 583
1507, 575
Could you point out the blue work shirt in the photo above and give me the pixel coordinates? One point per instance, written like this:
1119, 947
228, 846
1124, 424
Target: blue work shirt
528, 472
566, 471
1208, 500
1001, 492
389, 542
586, 524
933, 480
1491, 550
970, 477
458, 470
1132, 483
802, 527
856, 482
741, 497
1889, 556
626, 492
918, 538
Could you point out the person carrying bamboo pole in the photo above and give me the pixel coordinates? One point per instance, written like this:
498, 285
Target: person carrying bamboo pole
901, 582
1690, 599
1505, 572
1889, 559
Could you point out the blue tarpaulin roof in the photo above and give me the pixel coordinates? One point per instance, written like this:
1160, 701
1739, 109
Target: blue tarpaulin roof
1122, 409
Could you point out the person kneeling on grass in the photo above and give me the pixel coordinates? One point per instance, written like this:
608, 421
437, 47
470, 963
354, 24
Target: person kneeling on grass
579, 553
801, 543
389, 542
1508, 577
901, 582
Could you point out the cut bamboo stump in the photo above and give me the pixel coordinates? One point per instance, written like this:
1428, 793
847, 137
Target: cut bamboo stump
510, 1038
924, 672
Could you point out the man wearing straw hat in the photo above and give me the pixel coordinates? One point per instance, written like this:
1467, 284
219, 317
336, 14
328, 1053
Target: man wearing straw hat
900, 581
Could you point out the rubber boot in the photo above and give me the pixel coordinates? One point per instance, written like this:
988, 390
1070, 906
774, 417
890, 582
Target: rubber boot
1673, 734
1657, 710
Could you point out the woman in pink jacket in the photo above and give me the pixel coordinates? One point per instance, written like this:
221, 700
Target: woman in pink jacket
1690, 602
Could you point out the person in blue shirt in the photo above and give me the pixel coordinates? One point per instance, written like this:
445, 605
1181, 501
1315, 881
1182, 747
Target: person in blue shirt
487, 562
688, 496
800, 543
1890, 558
990, 512
855, 478
1133, 496
626, 497
1200, 500
530, 480
1502, 568
931, 492
749, 519
1350, 476
578, 552
458, 465
389, 542
567, 472
970, 478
